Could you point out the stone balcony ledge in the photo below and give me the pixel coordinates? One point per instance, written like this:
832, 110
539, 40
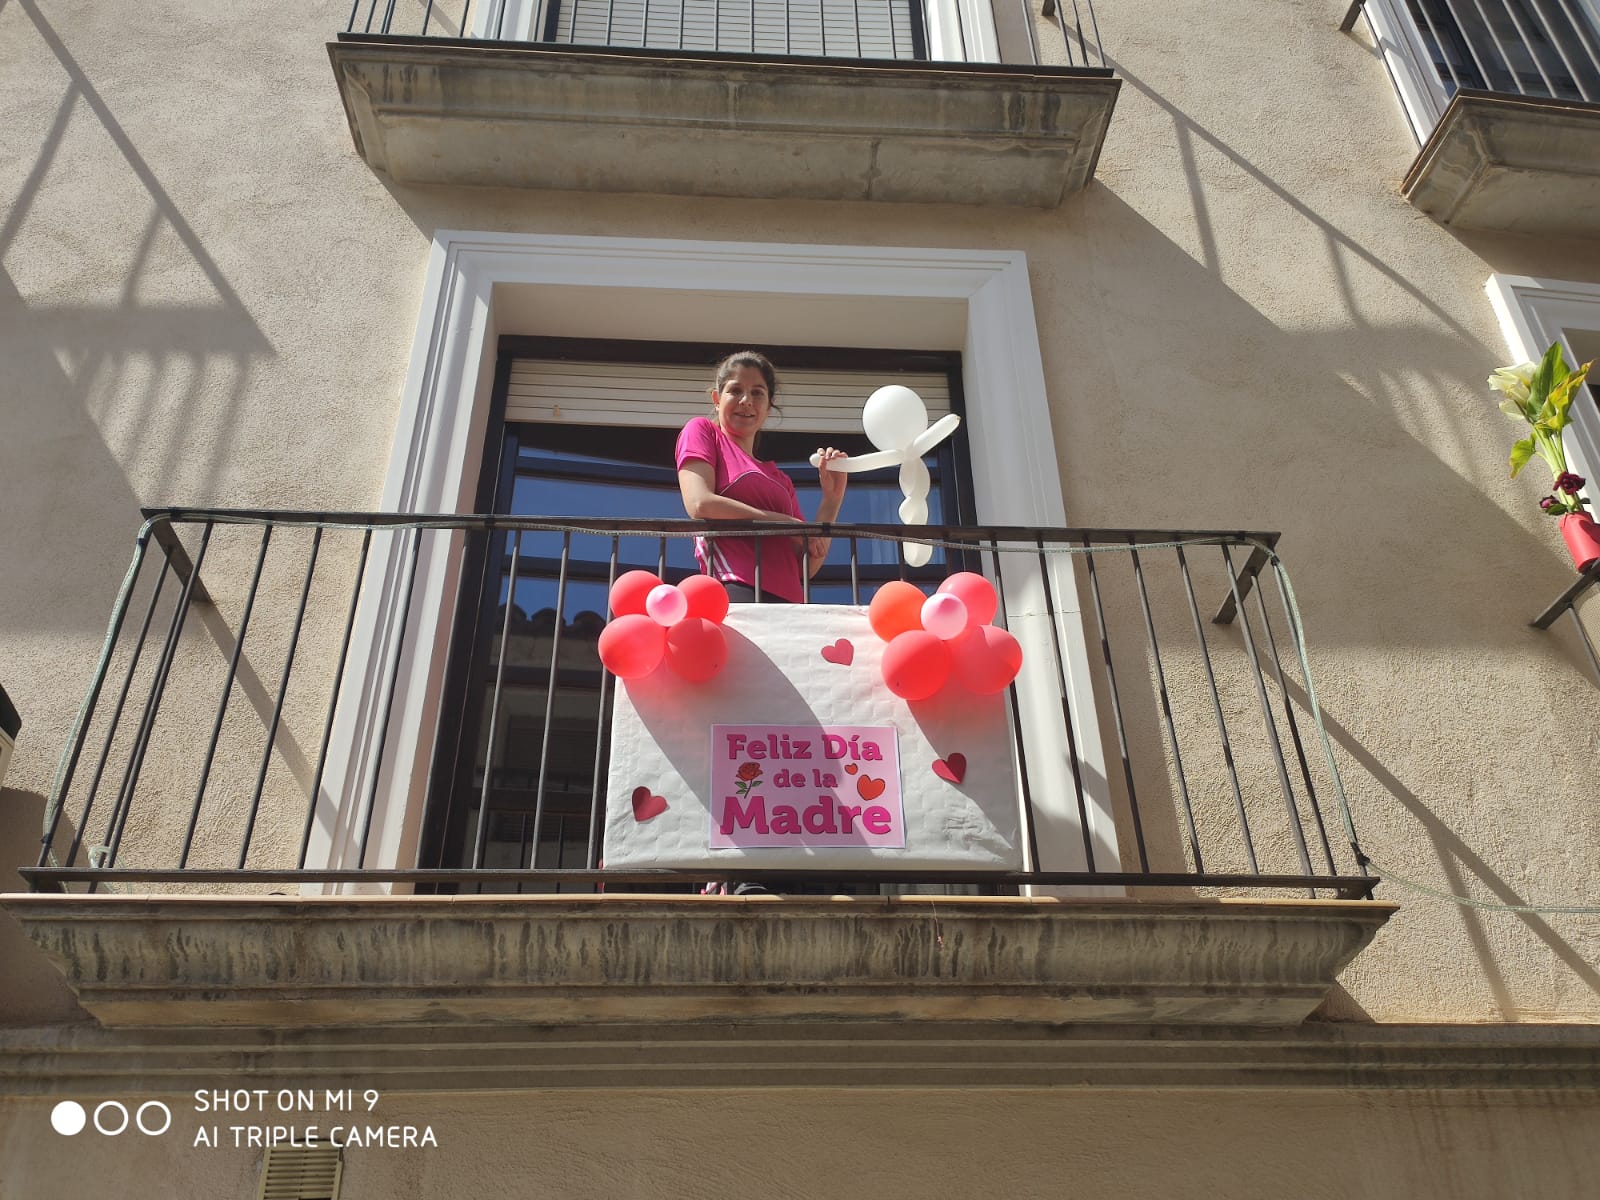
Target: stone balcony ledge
426, 110
1517, 164
561, 960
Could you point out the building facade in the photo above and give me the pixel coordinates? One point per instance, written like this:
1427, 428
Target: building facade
291, 294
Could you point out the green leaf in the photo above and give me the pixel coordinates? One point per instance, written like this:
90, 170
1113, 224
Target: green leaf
1520, 454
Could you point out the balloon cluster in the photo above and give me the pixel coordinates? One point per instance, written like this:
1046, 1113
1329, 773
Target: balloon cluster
653, 621
948, 633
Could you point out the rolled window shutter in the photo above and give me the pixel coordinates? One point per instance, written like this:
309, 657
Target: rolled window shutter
666, 396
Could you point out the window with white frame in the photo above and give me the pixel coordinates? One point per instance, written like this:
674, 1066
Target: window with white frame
482, 285
1434, 48
1536, 312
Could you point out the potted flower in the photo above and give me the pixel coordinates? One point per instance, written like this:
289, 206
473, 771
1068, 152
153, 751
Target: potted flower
1540, 394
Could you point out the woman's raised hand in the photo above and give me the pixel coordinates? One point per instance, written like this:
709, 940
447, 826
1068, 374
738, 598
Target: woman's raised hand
833, 482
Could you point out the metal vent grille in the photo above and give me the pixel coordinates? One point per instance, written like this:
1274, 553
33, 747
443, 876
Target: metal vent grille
295, 1174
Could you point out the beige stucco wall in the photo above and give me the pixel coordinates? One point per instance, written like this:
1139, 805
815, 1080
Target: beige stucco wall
881, 1143
208, 298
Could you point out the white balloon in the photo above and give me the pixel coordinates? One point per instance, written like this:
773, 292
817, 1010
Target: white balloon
893, 417
666, 605
896, 421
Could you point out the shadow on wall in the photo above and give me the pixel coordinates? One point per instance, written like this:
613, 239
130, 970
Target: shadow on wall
127, 351
1463, 872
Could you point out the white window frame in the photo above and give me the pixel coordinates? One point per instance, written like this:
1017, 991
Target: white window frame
1405, 54
1535, 312
480, 285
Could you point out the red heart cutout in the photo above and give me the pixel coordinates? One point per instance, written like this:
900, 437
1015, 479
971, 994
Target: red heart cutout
841, 652
952, 767
646, 805
851, 768
869, 788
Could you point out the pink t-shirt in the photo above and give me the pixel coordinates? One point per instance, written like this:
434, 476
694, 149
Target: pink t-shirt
758, 484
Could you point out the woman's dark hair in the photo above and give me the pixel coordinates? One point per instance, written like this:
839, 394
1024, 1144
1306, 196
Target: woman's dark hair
728, 367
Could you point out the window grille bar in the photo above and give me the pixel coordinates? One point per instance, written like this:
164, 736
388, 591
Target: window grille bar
283, 692
482, 839
1472, 49
1556, 39
1166, 710
116, 717
597, 798
1333, 765
333, 700
227, 694
1030, 836
1216, 708
550, 690
1426, 9
403, 616
1256, 677
130, 778
1587, 37
1294, 729
1066, 705
1116, 707
1528, 45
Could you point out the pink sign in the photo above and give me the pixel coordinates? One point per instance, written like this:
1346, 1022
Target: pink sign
805, 785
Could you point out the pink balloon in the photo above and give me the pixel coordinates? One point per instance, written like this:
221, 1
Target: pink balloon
631, 646
696, 649
985, 659
666, 605
707, 597
944, 616
976, 592
916, 665
628, 593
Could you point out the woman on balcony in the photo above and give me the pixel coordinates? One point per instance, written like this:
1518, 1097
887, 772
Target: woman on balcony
722, 480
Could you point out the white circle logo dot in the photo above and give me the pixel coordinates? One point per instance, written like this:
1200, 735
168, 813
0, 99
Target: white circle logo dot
68, 1118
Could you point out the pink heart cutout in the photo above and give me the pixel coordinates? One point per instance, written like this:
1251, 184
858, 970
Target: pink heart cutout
952, 767
647, 805
841, 652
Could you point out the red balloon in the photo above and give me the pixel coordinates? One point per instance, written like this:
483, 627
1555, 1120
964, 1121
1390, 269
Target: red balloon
629, 591
976, 592
985, 659
696, 649
631, 646
707, 597
895, 609
916, 665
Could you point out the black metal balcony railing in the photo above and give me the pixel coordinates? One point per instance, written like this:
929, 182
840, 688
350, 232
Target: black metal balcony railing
915, 30
204, 747
1547, 48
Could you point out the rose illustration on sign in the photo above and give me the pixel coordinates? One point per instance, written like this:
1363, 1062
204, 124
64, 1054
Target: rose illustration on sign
747, 778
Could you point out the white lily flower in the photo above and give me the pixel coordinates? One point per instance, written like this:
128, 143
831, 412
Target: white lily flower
1513, 382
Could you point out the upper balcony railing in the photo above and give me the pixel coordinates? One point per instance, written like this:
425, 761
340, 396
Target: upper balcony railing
235, 685
906, 30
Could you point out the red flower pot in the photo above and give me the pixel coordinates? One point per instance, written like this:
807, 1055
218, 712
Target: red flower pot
1583, 539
